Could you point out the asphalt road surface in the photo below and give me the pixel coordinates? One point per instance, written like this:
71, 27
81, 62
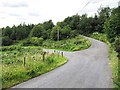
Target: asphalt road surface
85, 69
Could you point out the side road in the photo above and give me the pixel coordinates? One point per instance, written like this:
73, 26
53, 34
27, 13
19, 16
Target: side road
85, 69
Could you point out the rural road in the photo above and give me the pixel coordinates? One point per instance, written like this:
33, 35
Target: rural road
85, 69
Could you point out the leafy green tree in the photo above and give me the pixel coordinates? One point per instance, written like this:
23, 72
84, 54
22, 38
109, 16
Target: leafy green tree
7, 31
112, 28
54, 33
112, 25
37, 31
73, 33
72, 21
48, 25
65, 32
85, 25
13, 35
103, 15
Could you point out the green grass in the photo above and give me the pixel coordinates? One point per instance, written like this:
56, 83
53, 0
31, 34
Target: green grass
74, 44
113, 58
14, 71
114, 65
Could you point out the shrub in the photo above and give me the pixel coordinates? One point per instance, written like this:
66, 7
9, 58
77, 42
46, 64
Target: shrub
6, 41
36, 41
26, 43
117, 45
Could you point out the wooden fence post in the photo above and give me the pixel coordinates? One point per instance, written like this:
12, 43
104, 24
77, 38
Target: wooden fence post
44, 56
24, 61
62, 53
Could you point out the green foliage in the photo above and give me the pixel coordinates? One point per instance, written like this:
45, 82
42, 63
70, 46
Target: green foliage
26, 42
59, 33
112, 28
7, 31
11, 48
100, 36
11, 34
33, 41
36, 41
65, 32
13, 70
112, 25
37, 31
116, 44
103, 15
72, 21
54, 32
6, 41
73, 44
42, 30
48, 25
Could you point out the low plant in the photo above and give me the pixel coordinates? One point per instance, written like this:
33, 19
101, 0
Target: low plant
19, 66
74, 44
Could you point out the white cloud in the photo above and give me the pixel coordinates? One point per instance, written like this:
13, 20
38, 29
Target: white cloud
13, 3
36, 11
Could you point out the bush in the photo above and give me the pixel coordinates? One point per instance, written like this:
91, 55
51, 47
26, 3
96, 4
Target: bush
33, 41
117, 45
11, 48
36, 41
6, 41
100, 36
74, 44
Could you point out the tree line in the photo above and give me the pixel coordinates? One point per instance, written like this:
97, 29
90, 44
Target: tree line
107, 21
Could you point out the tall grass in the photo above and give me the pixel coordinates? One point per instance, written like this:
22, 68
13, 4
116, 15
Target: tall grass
74, 44
15, 71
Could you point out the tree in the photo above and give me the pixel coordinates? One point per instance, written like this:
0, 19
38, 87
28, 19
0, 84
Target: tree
13, 35
48, 25
37, 31
103, 15
7, 31
6, 41
72, 21
112, 25
54, 33
112, 28
65, 32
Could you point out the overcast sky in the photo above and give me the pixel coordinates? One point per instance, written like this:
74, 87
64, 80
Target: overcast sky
37, 11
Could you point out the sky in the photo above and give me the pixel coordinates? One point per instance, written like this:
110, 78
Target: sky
14, 12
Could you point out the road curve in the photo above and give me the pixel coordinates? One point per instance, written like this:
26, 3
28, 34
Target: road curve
85, 69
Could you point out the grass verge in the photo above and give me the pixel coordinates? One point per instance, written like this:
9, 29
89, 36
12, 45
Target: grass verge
15, 70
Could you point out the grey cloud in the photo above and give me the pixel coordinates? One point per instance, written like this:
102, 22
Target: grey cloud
96, 1
12, 14
21, 18
2, 17
34, 14
20, 4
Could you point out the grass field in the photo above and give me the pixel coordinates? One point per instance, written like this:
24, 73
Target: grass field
22, 63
